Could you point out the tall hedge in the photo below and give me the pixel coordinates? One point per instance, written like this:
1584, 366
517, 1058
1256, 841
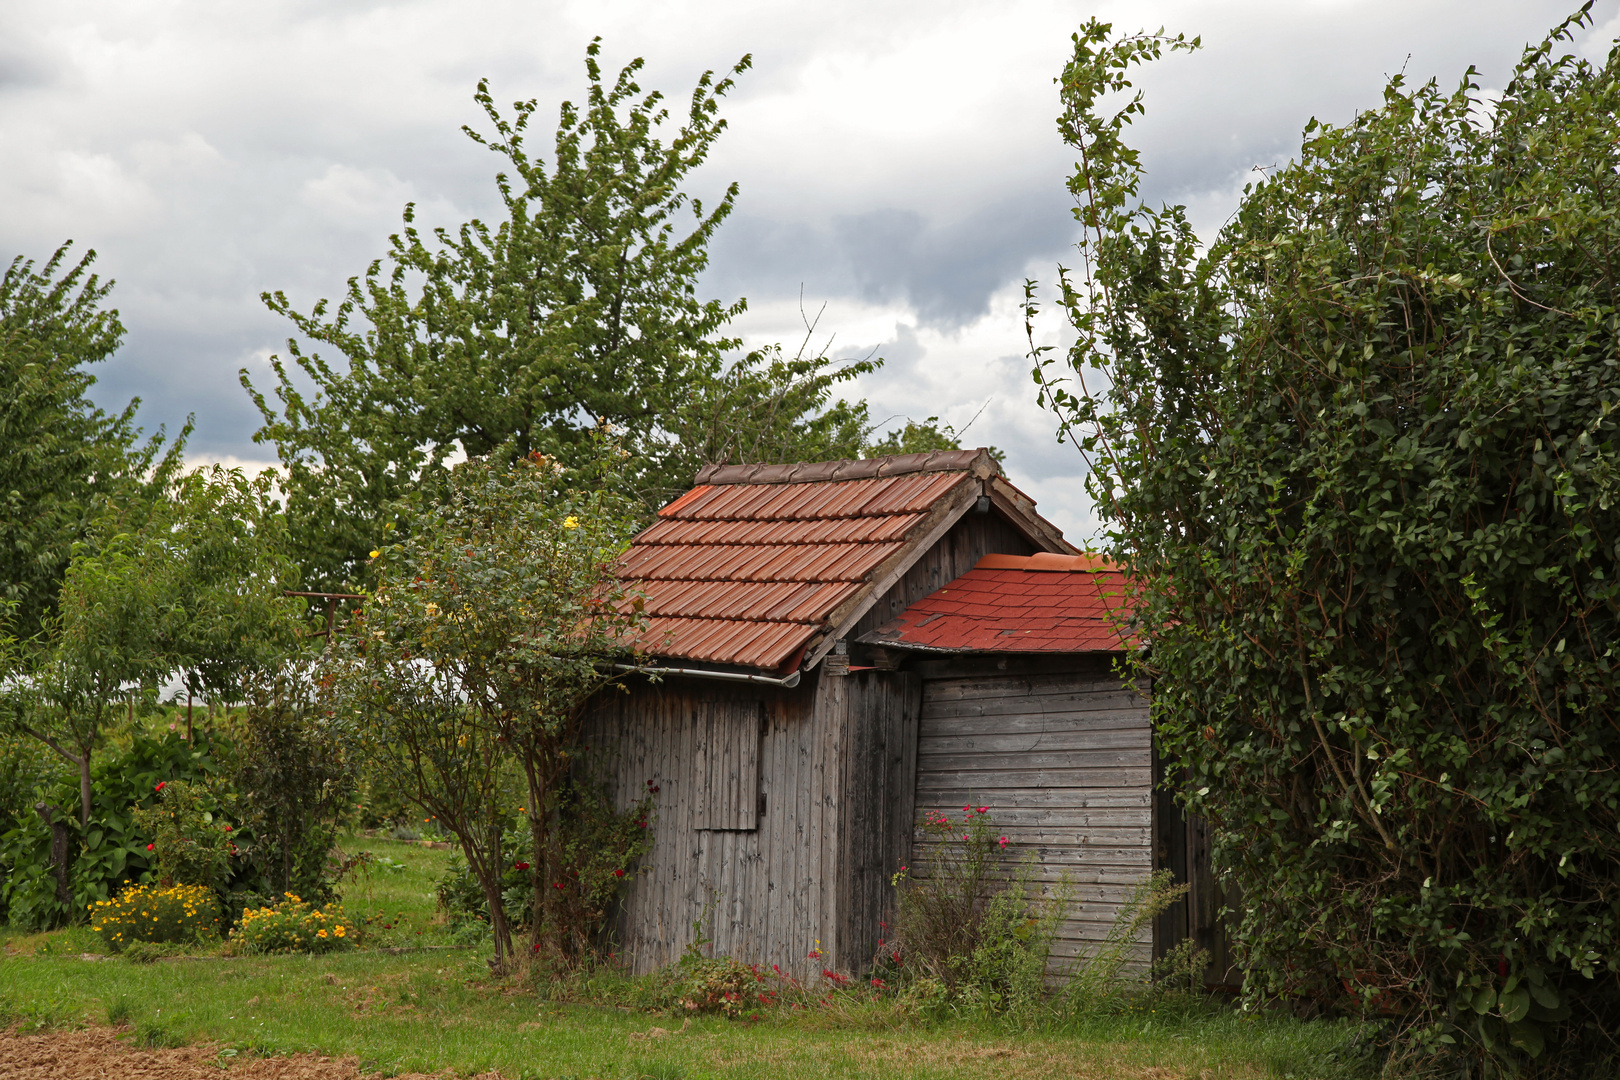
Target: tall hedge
1362, 456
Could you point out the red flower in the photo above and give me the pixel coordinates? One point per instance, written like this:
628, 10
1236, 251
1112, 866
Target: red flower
520, 866
149, 847
984, 809
878, 983
618, 873
161, 785
557, 884
227, 828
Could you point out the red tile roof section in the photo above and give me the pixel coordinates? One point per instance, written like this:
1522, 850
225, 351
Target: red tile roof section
1041, 603
746, 567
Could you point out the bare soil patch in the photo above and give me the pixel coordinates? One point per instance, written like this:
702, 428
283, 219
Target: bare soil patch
99, 1052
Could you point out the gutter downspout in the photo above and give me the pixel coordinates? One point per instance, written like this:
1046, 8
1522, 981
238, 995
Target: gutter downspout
787, 682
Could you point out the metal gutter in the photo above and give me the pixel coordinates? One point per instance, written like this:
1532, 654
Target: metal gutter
787, 682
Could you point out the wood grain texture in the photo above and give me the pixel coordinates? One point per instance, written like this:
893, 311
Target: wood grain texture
1064, 761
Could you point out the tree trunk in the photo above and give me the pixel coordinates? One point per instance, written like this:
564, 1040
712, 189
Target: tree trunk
59, 851
84, 789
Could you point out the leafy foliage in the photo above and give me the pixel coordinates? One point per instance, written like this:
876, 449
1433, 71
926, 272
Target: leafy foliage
970, 923
1360, 456
113, 849
62, 459
487, 636
294, 780
190, 846
578, 310
157, 913
294, 926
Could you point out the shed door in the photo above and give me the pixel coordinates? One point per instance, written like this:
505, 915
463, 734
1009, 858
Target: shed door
1064, 763
725, 763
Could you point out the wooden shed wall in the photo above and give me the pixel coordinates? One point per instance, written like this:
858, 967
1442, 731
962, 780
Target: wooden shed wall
1064, 759
835, 765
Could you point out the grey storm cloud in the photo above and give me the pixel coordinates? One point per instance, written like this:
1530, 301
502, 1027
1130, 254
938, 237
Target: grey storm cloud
898, 161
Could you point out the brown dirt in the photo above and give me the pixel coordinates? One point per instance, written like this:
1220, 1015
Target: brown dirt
98, 1052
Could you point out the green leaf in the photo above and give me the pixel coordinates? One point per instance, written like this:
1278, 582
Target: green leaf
1515, 1004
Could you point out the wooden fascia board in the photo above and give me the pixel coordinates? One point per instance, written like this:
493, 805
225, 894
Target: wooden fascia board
1020, 513
928, 533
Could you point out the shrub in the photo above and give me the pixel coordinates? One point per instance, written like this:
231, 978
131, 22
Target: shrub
1360, 454
969, 922
191, 847
294, 781
704, 984
294, 926
112, 851
172, 914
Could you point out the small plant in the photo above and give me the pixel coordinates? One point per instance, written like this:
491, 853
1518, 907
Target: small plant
294, 926
967, 925
119, 1011
169, 914
1107, 977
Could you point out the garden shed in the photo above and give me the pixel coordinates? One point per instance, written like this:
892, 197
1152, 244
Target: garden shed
839, 647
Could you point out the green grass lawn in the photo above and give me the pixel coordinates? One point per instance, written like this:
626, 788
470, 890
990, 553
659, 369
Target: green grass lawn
437, 1008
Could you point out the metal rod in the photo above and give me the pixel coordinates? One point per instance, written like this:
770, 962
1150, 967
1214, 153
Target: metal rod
787, 682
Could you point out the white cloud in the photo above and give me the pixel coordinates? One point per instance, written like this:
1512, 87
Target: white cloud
898, 160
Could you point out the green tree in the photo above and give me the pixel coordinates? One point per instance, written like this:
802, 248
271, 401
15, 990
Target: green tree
62, 460
190, 587
220, 543
577, 311
493, 624
1362, 460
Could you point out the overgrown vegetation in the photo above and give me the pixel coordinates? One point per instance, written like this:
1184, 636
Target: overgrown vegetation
498, 617
1360, 457
65, 461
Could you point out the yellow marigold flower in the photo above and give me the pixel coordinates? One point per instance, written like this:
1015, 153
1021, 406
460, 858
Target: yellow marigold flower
570, 522
320, 933
340, 931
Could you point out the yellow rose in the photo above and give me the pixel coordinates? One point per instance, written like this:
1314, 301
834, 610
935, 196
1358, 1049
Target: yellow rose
570, 522
375, 553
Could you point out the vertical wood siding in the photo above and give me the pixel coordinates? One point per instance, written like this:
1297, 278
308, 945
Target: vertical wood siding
1064, 761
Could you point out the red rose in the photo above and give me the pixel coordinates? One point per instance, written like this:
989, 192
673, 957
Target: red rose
227, 828
149, 847
618, 873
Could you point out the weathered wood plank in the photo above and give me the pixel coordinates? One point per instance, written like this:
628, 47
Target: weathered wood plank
995, 779
1138, 739
948, 798
942, 693
1032, 725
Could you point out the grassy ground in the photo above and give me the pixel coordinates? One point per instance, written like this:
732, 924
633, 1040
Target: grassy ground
436, 1008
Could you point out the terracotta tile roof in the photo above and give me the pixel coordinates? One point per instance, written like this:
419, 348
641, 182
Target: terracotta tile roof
1011, 603
746, 568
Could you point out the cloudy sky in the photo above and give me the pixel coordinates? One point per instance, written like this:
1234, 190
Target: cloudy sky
898, 160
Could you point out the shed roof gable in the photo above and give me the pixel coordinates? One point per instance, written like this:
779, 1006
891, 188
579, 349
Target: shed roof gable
1042, 603
758, 565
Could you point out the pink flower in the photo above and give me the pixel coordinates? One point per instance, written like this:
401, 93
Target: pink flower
149, 847
984, 809
161, 785
1003, 841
